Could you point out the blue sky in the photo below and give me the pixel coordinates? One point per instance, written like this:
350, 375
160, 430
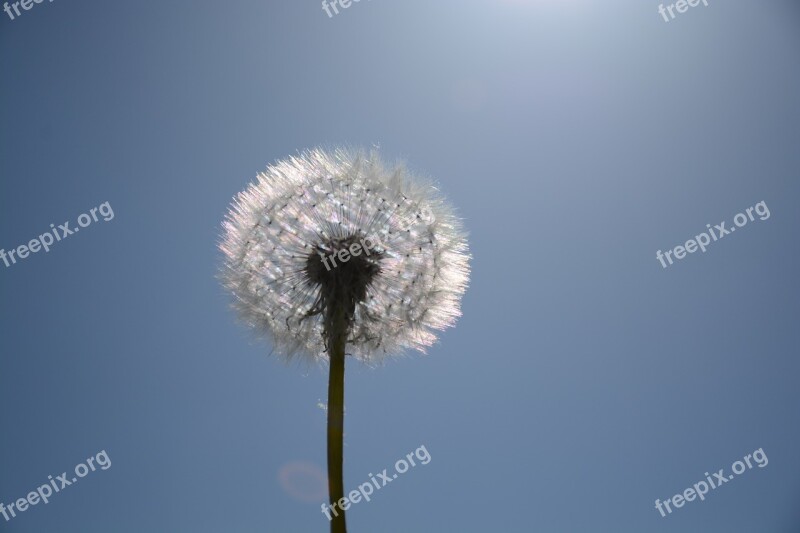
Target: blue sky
575, 139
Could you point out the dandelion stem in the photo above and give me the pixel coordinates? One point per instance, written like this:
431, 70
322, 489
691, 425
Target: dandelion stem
337, 337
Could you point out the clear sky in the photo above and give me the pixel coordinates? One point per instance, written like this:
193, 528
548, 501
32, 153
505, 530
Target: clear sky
575, 138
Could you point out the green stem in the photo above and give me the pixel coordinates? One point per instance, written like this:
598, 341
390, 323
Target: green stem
337, 339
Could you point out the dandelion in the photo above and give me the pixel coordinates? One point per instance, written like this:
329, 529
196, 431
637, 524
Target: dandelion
329, 250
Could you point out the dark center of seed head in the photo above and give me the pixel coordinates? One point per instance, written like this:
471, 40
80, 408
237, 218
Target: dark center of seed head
343, 269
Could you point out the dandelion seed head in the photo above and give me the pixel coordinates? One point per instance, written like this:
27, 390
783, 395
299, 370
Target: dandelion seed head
405, 285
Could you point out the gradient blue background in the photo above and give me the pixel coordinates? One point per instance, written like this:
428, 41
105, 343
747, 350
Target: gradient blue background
576, 138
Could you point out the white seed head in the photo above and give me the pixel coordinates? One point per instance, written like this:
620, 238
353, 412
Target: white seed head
319, 203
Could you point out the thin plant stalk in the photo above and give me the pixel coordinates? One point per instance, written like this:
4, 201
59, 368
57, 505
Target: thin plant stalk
336, 343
